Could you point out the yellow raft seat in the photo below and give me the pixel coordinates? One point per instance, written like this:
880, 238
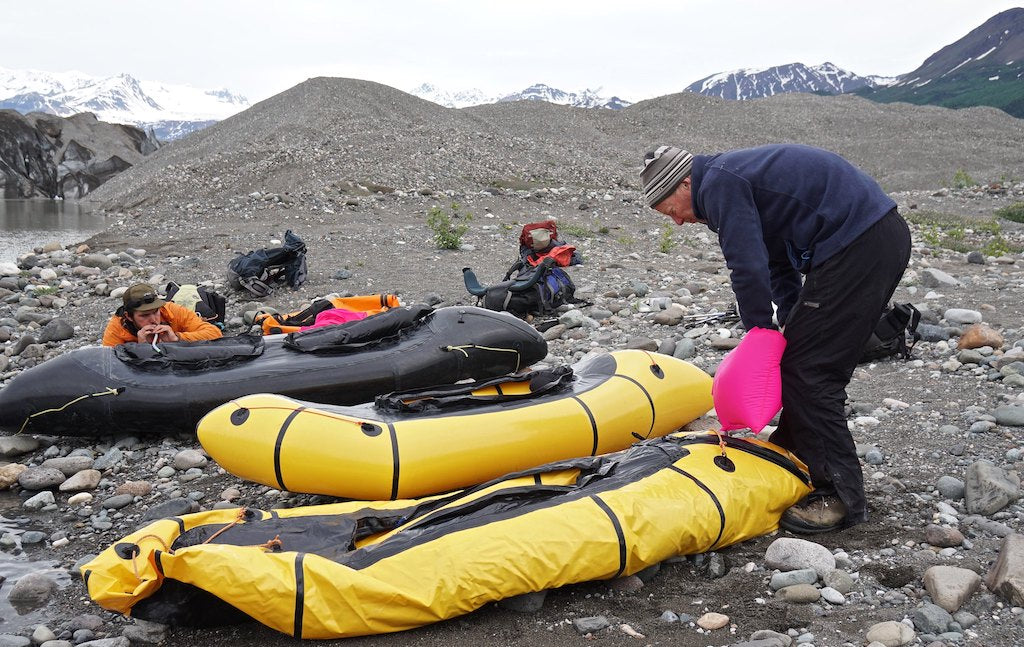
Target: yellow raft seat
437, 440
355, 568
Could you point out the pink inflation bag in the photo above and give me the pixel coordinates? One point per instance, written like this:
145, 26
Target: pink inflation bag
747, 388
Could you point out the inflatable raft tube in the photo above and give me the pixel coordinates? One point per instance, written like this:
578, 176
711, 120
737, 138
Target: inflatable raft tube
423, 443
134, 389
357, 568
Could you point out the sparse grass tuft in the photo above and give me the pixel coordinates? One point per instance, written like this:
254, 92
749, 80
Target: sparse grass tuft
665, 242
962, 234
1014, 212
448, 228
576, 231
961, 180
999, 246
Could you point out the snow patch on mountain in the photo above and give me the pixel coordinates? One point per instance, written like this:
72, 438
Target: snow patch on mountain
754, 83
170, 110
589, 98
459, 99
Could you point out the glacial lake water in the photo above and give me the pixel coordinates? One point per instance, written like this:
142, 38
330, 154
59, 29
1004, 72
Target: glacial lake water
25, 224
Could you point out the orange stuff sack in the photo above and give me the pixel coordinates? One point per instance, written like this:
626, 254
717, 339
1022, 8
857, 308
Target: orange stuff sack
369, 304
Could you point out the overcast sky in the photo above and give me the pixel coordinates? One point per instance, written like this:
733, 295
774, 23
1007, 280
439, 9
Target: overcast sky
635, 49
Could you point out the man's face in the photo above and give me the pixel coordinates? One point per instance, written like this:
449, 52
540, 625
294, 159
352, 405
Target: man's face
679, 204
142, 319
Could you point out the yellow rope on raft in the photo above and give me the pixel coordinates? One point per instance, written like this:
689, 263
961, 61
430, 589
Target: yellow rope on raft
462, 349
109, 391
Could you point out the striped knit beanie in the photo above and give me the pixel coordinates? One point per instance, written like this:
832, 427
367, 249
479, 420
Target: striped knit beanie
664, 168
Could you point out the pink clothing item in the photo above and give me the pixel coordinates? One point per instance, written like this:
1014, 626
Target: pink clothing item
747, 389
335, 316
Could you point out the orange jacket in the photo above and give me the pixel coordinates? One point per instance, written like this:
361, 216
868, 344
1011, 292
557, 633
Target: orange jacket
184, 322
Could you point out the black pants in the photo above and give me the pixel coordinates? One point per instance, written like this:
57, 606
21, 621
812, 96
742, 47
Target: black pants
840, 303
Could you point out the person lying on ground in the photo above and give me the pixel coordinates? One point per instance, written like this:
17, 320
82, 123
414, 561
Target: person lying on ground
145, 316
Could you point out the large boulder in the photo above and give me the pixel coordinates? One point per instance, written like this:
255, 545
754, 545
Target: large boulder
49, 156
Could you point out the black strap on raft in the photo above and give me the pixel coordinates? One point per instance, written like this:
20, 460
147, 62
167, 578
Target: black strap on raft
191, 355
442, 397
306, 316
356, 335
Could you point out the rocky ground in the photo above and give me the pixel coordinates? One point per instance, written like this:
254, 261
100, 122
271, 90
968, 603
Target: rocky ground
940, 435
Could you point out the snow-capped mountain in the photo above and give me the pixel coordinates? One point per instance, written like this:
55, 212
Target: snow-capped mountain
538, 92
794, 77
586, 99
985, 67
999, 41
171, 111
461, 99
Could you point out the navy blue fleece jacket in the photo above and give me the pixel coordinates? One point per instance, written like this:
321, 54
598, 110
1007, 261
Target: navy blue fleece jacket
780, 211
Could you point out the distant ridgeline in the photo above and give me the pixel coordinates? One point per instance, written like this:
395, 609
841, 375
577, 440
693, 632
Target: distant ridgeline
984, 68
42, 155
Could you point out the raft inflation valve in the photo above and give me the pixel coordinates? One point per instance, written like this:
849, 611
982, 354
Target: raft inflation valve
725, 463
239, 416
370, 429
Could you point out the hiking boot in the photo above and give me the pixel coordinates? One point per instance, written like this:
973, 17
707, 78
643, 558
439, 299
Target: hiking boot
814, 513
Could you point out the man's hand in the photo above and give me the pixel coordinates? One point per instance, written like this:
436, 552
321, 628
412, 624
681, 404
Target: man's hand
162, 332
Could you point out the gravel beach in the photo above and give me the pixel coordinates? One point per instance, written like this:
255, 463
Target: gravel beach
940, 436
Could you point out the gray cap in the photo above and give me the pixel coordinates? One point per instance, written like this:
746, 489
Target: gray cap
664, 168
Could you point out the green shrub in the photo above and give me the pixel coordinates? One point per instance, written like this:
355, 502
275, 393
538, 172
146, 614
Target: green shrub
931, 235
603, 230
1014, 212
665, 242
990, 227
998, 246
961, 180
448, 229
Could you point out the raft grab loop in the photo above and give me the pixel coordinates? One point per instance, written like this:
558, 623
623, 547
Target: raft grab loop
240, 517
131, 551
722, 460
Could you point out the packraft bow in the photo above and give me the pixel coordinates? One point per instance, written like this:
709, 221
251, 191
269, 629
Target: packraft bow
439, 439
138, 389
357, 568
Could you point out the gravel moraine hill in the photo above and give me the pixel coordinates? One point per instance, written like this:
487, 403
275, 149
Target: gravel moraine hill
353, 167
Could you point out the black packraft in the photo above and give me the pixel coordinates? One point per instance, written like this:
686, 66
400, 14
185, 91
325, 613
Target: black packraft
895, 334
258, 270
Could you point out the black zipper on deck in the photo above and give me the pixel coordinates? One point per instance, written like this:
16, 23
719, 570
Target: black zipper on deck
714, 499
279, 442
394, 461
620, 535
593, 424
650, 401
761, 452
300, 595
